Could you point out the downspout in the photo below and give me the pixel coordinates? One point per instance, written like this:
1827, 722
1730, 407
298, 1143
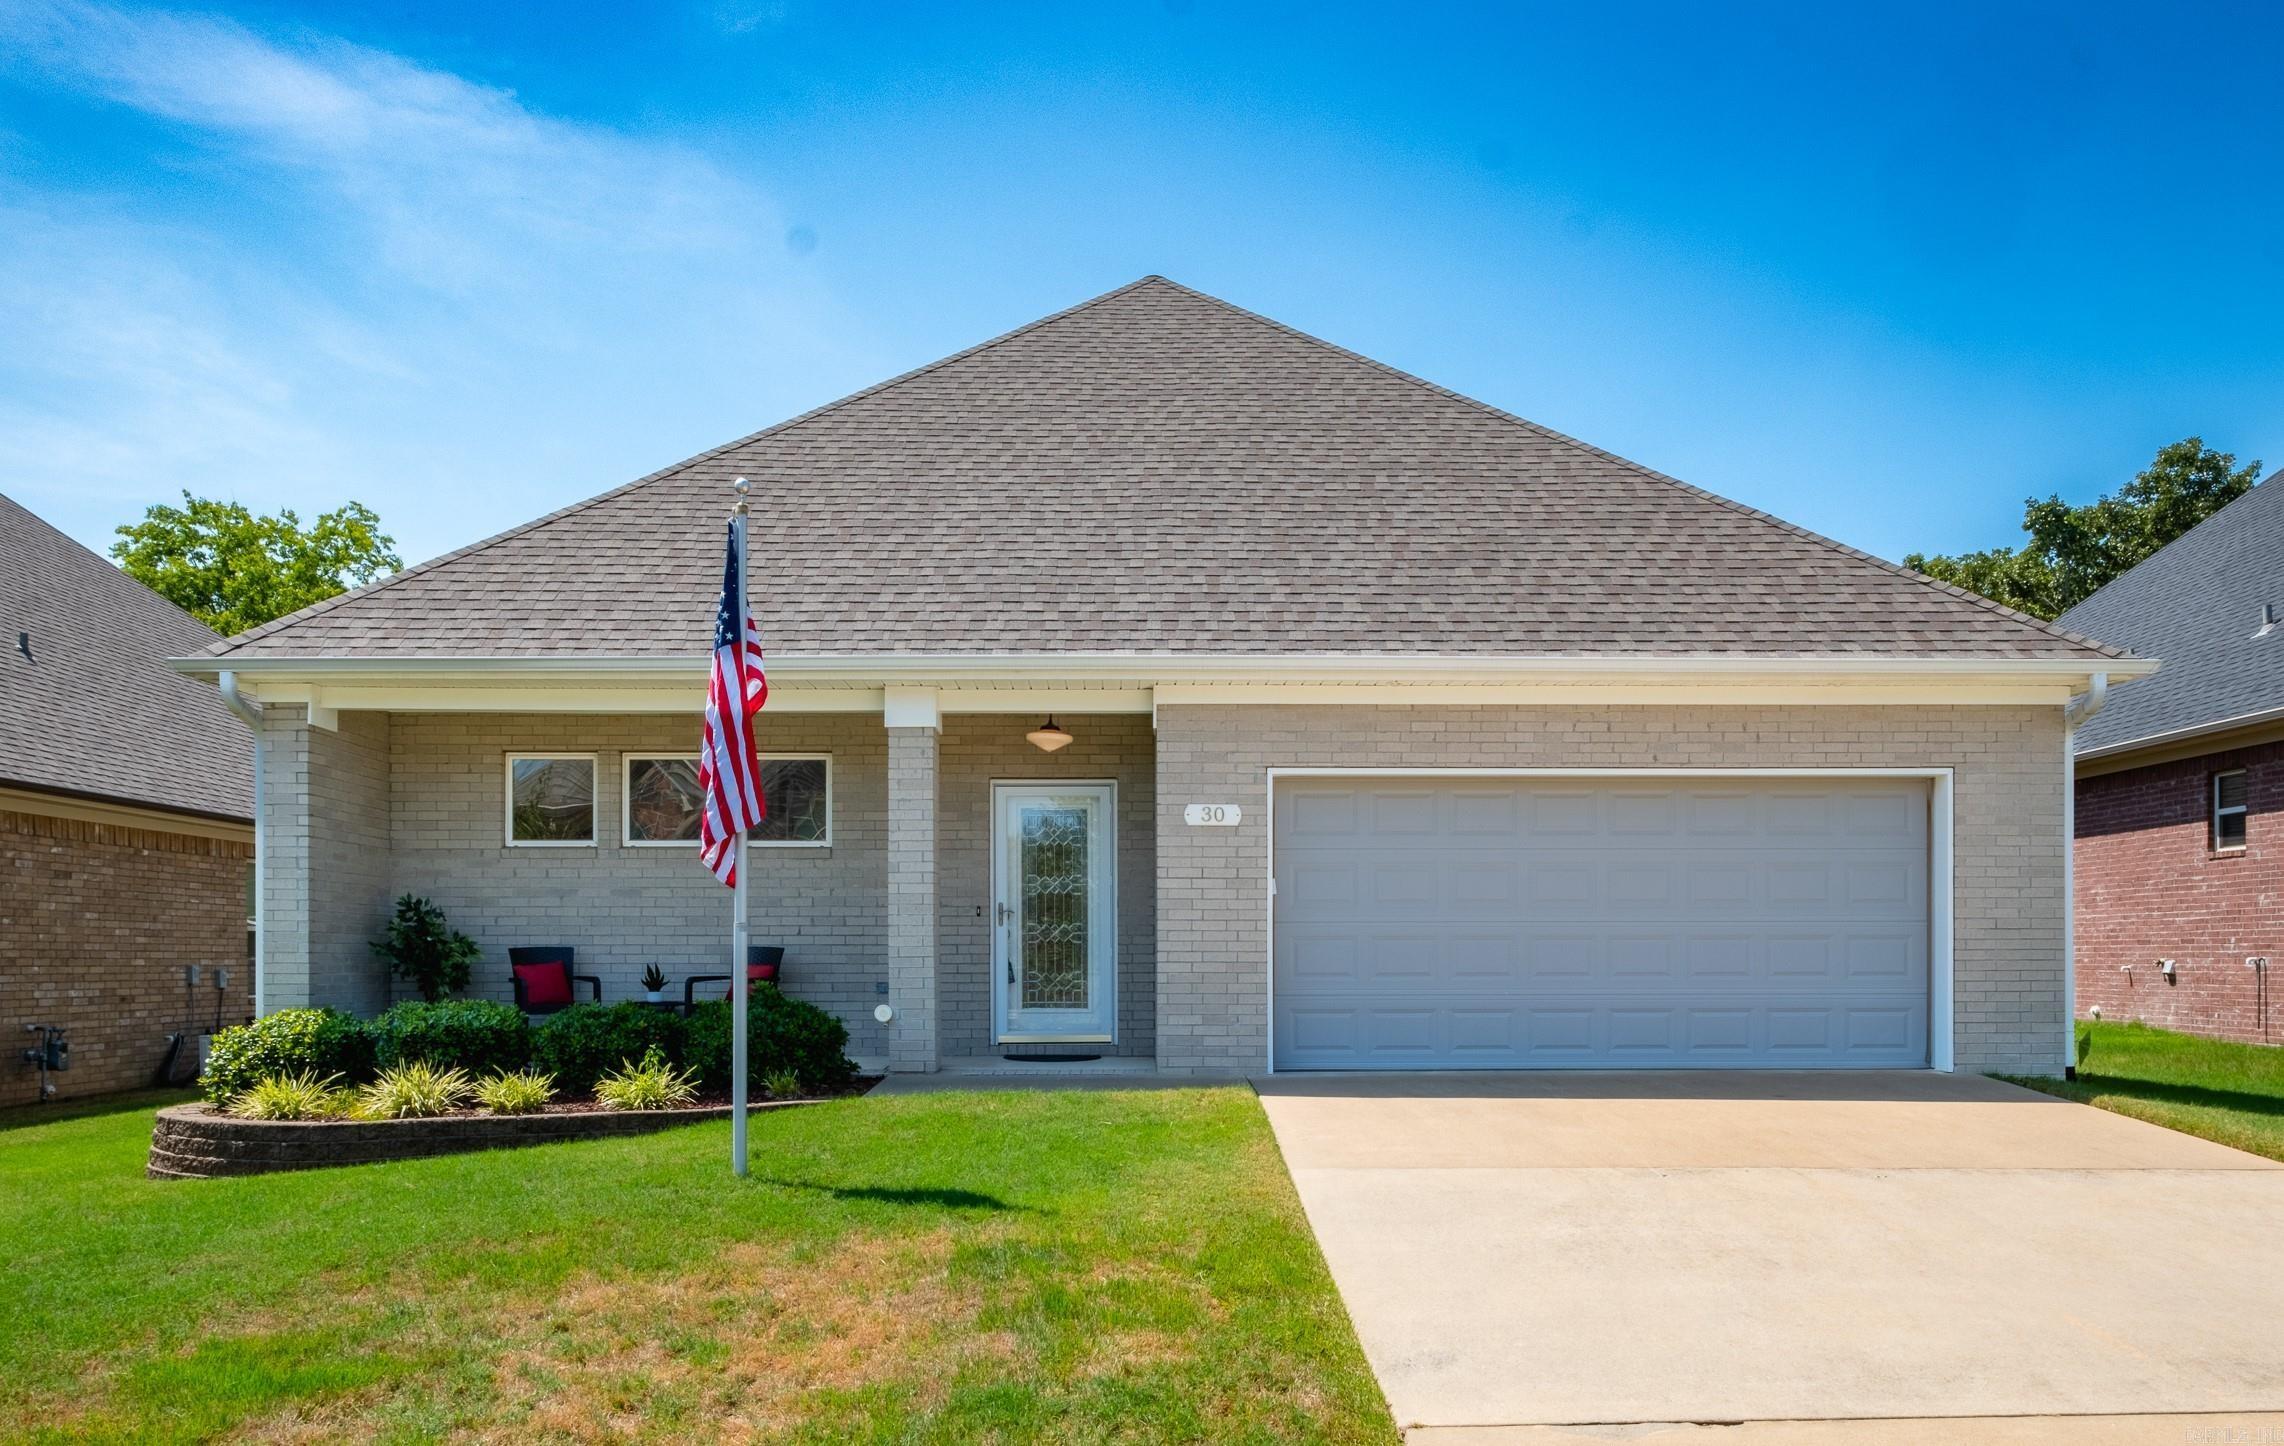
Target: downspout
251, 715
2075, 714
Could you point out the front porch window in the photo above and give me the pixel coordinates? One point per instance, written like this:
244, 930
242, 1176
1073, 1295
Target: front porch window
664, 803
551, 800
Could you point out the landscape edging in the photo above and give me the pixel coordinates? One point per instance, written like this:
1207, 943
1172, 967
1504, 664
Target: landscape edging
198, 1142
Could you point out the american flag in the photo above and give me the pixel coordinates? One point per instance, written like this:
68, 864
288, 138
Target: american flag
729, 762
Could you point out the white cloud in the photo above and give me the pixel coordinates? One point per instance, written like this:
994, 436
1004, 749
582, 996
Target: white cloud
345, 274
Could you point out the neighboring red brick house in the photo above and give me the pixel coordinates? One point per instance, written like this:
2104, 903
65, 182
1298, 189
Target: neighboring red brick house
2180, 806
126, 825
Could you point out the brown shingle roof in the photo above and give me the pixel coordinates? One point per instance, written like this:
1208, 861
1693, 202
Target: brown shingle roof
93, 710
1158, 471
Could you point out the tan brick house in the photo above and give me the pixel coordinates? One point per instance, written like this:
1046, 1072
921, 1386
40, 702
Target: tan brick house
126, 825
1402, 733
2180, 908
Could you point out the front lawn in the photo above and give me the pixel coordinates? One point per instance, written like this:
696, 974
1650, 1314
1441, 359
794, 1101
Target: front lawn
944, 1267
2232, 1093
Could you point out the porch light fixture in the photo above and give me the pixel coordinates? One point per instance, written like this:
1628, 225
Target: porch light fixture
1047, 737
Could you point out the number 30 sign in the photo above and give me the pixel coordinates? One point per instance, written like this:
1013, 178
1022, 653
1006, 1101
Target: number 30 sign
1212, 815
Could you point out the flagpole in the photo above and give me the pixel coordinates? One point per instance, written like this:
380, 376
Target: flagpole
739, 926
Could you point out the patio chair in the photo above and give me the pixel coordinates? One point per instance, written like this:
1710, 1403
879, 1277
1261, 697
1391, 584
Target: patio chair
764, 964
543, 979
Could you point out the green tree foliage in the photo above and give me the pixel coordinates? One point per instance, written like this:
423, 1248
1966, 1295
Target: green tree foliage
2072, 551
234, 570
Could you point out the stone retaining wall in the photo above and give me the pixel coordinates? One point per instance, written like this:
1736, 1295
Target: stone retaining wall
196, 1142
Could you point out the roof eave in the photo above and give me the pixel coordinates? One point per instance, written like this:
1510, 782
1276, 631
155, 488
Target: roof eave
2151, 742
1190, 667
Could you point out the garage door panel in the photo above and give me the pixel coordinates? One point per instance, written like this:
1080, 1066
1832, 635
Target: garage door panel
1495, 1032
1721, 1031
1478, 883
1407, 814
1718, 957
1506, 923
1480, 814
1550, 959
1563, 1035
1475, 960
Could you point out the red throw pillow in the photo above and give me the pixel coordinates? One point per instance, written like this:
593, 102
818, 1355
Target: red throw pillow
755, 974
545, 986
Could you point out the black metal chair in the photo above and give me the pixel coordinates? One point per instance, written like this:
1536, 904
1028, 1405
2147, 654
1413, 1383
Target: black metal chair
764, 964
543, 979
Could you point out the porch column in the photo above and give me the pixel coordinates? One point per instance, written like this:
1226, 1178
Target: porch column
912, 728
325, 883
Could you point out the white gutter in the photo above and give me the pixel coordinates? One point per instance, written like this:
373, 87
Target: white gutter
2075, 713
2088, 703
251, 714
1195, 667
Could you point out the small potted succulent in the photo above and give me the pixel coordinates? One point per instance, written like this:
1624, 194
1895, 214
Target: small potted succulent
654, 984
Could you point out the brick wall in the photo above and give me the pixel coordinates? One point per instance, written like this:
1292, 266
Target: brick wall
975, 751
2007, 830
2151, 887
97, 925
913, 1041
624, 907
326, 881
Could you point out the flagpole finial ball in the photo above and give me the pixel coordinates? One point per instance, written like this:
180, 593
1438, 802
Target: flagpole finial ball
741, 487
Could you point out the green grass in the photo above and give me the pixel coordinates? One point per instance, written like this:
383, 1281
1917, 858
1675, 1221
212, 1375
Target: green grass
1095, 1266
2232, 1093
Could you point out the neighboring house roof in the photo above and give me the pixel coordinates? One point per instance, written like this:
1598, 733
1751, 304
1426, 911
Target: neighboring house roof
2196, 603
1158, 472
92, 710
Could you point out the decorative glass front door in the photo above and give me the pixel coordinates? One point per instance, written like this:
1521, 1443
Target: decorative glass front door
1054, 912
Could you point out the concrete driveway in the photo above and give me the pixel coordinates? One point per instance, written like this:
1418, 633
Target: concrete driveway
1545, 1251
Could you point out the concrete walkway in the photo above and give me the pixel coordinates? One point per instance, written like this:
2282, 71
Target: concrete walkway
1595, 1252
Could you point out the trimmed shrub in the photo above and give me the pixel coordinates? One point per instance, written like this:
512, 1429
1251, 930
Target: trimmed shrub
289, 1043
783, 1036
414, 1091
652, 1085
582, 1043
481, 1036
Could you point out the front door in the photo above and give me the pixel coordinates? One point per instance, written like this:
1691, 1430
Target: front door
1054, 912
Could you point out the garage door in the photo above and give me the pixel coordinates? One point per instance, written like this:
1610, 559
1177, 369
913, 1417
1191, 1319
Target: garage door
1502, 923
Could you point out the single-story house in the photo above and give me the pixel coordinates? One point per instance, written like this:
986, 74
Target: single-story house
2180, 784
1402, 733
126, 827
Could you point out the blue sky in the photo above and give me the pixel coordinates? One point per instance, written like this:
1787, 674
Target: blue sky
1882, 272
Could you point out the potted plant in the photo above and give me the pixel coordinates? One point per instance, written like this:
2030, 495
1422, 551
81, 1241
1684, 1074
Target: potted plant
654, 984
421, 947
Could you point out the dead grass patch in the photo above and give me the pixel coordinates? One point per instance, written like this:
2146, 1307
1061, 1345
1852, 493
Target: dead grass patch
746, 1335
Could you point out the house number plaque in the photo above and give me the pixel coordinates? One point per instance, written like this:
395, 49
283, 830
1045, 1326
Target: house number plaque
1212, 815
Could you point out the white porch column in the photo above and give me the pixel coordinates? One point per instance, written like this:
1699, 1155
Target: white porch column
912, 721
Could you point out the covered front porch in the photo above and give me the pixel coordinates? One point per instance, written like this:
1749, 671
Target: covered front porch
999, 899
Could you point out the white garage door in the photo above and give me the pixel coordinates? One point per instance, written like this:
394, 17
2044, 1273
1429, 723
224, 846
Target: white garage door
1502, 923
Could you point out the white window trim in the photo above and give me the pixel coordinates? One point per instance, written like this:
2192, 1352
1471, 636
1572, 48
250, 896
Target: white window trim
2242, 810
626, 803
507, 804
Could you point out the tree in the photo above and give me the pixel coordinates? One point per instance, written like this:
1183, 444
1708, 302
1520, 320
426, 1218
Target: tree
2072, 551
233, 570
